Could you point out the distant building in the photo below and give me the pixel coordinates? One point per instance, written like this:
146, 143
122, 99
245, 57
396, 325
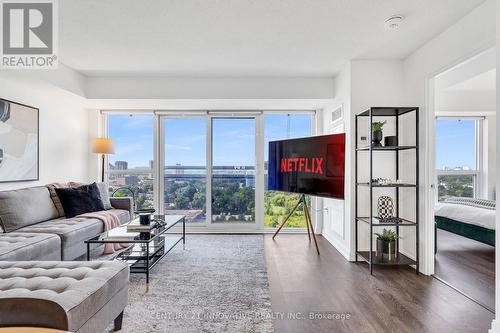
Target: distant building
131, 180
146, 182
121, 165
250, 181
179, 171
118, 181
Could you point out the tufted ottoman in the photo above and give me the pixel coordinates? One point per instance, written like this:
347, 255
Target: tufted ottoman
16, 246
72, 296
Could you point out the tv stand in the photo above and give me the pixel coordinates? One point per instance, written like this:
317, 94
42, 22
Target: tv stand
310, 230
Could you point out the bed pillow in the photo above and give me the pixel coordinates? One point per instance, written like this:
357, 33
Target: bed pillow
80, 200
479, 203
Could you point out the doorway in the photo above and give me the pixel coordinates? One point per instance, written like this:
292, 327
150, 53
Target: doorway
464, 145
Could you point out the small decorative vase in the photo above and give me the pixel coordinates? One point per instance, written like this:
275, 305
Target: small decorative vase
377, 138
384, 247
385, 207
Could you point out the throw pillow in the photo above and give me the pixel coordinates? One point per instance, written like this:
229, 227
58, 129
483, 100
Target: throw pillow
55, 199
80, 200
104, 191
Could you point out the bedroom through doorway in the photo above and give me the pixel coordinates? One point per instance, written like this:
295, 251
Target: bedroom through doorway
465, 164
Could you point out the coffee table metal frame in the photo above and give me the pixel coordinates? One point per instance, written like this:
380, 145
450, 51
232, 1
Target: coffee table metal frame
160, 245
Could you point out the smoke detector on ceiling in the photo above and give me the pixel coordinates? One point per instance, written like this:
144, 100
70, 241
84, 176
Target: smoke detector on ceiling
394, 22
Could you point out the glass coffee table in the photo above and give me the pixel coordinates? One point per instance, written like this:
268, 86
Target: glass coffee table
145, 249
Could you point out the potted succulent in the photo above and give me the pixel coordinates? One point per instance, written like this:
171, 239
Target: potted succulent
386, 242
377, 134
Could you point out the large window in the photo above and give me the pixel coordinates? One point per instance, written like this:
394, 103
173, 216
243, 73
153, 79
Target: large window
205, 165
233, 170
277, 205
185, 168
130, 169
457, 157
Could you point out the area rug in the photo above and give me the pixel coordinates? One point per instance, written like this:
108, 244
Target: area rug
218, 283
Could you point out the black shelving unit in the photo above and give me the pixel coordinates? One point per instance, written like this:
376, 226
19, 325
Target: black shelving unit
371, 220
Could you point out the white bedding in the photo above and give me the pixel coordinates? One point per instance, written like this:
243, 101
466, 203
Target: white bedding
467, 214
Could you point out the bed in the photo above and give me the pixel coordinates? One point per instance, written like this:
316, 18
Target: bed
467, 217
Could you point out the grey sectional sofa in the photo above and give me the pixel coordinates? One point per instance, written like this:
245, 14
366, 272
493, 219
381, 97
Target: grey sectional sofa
38, 286
31, 228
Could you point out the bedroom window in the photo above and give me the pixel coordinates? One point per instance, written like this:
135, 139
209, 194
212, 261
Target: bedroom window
458, 150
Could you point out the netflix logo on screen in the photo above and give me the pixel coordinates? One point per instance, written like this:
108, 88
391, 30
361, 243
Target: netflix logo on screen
302, 164
313, 166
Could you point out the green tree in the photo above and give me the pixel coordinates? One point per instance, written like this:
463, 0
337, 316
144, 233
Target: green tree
181, 202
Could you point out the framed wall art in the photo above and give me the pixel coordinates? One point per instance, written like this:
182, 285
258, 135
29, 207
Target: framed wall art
19, 142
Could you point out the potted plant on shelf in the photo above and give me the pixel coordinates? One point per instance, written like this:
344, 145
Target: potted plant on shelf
377, 134
386, 242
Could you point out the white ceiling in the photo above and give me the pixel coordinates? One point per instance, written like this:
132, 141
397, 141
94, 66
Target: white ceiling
243, 37
469, 87
485, 81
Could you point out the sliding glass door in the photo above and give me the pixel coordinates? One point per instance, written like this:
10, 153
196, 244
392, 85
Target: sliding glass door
233, 170
185, 168
209, 166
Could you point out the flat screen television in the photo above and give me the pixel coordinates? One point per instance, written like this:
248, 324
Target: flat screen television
313, 165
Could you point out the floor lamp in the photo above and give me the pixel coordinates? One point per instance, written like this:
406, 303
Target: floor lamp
103, 146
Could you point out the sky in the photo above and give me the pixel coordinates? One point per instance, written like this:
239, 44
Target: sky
233, 141
455, 143
185, 138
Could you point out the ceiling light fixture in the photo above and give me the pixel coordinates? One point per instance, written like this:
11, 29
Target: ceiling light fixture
393, 22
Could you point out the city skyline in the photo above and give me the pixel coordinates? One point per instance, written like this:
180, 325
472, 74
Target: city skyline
185, 138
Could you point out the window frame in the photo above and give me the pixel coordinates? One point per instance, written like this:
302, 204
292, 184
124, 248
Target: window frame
477, 174
159, 158
104, 115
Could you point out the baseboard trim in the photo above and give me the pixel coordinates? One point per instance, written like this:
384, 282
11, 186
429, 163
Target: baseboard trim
338, 246
495, 327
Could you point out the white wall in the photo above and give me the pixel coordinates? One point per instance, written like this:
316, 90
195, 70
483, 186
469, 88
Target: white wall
336, 213
209, 88
360, 85
64, 145
63, 77
375, 83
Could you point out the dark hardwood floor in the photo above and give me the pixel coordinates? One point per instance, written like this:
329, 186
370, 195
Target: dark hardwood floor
467, 265
394, 299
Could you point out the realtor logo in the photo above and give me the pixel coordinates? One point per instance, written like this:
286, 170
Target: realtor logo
29, 34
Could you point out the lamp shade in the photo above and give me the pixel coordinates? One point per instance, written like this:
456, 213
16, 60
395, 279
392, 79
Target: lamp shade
103, 146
